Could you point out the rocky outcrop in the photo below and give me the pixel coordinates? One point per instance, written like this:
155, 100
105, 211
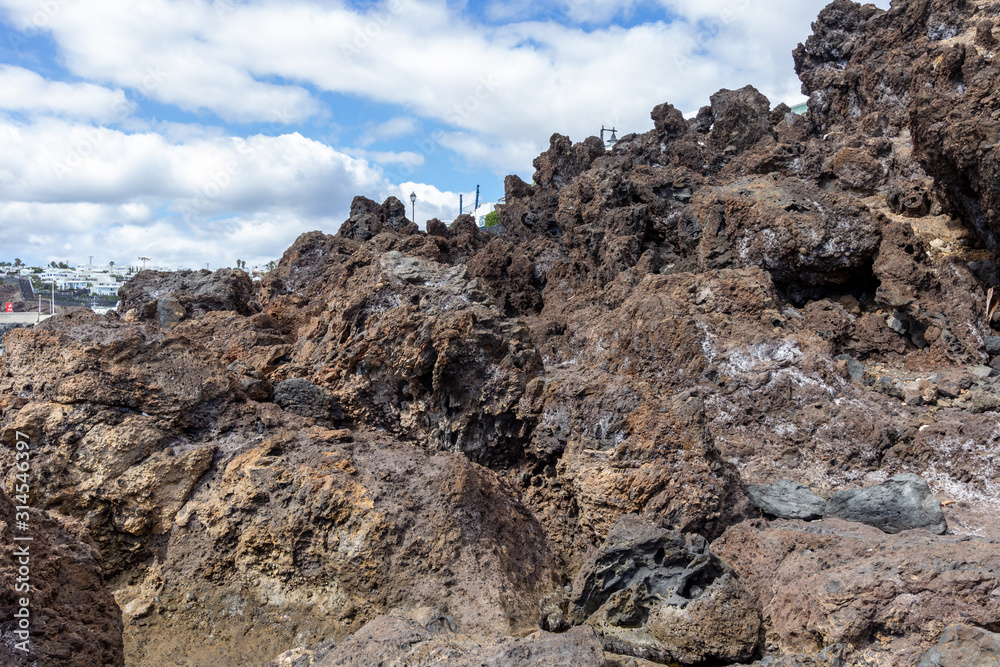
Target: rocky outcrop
831, 582
923, 69
413, 444
368, 219
51, 590
658, 594
428, 636
168, 297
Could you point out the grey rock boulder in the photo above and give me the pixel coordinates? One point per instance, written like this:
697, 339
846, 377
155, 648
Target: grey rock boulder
964, 646
902, 502
786, 499
992, 345
303, 398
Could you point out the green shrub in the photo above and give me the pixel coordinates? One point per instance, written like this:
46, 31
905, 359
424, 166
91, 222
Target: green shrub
491, 219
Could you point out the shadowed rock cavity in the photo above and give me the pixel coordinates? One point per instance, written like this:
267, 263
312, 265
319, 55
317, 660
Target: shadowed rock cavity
657, 594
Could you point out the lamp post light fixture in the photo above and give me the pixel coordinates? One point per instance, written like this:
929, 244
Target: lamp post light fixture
613, 140
413, 206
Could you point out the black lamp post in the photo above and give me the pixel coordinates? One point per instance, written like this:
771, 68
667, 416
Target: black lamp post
413, 206
613, 140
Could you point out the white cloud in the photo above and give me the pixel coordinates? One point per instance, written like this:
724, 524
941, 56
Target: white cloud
202, 199
507, 84
431, 202
393, 128
390, 157
25, 91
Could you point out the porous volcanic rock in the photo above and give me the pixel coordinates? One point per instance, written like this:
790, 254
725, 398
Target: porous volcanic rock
427, 637
658, 594
796, 231
368, 219
169, 296
831, 582
72, 618
741, 297
921, 68
115, 417
302, 397
964, 645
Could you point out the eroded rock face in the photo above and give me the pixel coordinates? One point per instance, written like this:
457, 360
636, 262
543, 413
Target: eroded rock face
169, 297
368, 219
964, 645
797, 232
831, 582
72, 618
925, 69
427, 637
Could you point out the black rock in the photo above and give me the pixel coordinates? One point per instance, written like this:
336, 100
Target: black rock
903, 502
786, 499
992, 345
302, 397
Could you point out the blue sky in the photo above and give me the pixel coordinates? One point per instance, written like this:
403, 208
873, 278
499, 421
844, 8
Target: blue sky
206, 131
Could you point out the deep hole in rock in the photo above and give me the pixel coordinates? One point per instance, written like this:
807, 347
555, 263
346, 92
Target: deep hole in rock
862, 287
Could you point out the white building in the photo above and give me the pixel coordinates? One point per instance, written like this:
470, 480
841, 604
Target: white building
482, 211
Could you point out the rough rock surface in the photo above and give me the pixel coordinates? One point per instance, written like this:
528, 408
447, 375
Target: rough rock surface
427, 638
831, 582
658, 594
72, 617
169, 297
746, 296
964, 645
302, 397
786, 499
902, 502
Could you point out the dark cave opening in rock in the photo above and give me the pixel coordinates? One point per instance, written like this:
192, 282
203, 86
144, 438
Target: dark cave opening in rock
862, 286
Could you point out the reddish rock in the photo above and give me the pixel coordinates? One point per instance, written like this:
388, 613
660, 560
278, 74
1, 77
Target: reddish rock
887, 596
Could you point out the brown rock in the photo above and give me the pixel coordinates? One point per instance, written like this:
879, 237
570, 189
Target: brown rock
831, 582
71, 618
